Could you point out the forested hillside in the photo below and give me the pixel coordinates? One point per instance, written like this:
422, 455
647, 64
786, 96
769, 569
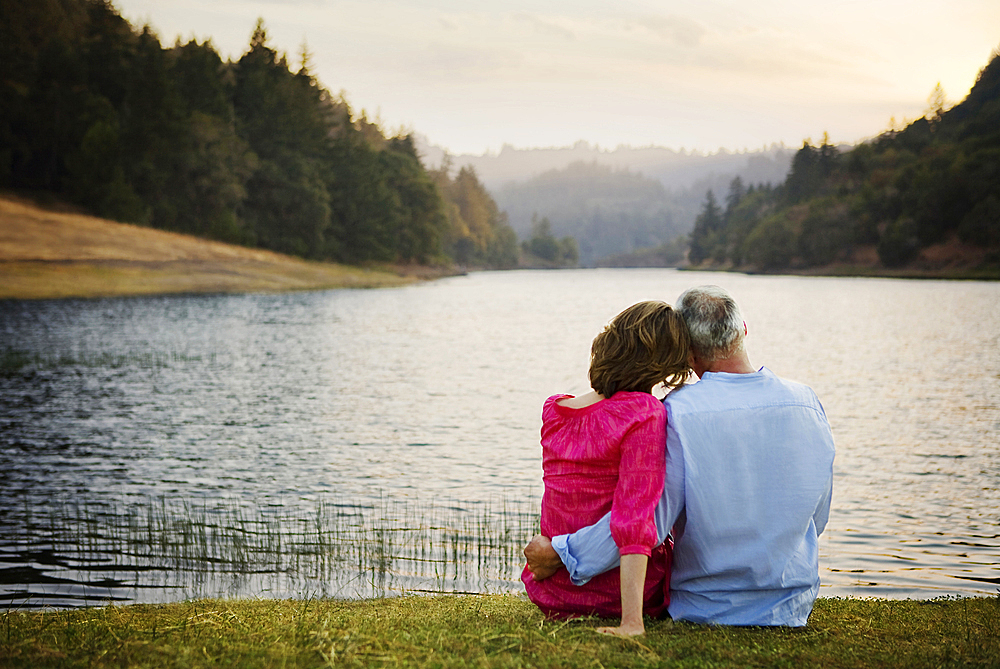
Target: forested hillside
255, 152
924, 197
614, 212
607, 211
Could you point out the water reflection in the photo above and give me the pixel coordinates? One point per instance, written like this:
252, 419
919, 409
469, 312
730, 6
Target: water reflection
433, 392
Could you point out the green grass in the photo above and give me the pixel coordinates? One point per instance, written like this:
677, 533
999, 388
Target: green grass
489, 631
430, 544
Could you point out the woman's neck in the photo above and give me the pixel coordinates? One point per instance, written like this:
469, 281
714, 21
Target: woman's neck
585, 400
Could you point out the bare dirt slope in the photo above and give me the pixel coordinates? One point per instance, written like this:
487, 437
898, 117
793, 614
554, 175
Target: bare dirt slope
50, 254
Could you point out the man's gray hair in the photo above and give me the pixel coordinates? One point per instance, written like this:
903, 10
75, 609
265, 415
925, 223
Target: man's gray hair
714, 320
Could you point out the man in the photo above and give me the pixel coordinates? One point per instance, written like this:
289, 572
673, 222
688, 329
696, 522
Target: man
748, 486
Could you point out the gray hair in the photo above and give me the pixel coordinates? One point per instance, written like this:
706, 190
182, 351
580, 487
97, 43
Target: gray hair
714, 320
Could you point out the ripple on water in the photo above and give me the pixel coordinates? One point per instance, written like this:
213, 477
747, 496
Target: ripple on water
430, 395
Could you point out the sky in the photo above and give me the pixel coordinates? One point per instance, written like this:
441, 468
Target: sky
473, 75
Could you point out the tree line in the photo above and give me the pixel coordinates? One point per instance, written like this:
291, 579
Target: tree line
253, 152
542, 249
606, 211
935, 180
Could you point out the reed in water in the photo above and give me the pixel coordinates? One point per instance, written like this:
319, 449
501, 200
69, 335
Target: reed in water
234, 548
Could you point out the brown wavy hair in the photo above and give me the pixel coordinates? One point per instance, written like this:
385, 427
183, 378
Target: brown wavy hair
644, 345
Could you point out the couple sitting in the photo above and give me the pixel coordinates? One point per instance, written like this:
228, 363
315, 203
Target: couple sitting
722, 527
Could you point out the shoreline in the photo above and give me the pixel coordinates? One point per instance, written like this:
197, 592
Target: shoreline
95, 603
948, 261
68, 279
54, 253
860, 272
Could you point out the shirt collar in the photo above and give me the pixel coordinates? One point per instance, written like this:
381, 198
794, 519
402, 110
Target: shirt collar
728, 377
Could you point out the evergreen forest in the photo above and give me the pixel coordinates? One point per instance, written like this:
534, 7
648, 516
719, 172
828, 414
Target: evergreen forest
256, 152
607, 211
924, 195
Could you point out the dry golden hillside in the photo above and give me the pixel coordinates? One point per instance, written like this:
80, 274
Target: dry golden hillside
50, 254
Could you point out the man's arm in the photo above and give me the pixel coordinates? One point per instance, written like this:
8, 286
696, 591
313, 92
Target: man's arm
588, 551
591, 550
594, 543
822, 513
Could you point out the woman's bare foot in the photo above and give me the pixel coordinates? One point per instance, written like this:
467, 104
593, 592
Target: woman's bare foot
623, 630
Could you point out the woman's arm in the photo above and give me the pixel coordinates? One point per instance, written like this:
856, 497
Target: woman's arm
640, 485
633, 578
641, 472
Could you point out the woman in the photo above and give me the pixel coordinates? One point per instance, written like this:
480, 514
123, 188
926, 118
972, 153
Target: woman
604, 451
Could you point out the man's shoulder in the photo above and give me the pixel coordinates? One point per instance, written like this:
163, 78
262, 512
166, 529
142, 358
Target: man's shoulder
792, 388
691, 398
738, 390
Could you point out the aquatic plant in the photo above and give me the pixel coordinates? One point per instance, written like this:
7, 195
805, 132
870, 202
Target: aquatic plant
143, 549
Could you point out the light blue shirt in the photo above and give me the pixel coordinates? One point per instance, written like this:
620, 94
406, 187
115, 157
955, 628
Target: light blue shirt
747, 493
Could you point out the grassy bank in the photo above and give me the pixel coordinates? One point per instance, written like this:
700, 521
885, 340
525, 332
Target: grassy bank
489, 631
52, 254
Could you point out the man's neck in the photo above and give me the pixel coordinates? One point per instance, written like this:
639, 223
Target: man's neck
730, 366
738, 363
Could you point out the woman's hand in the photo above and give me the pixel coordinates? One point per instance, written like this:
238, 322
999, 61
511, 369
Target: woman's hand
623, 631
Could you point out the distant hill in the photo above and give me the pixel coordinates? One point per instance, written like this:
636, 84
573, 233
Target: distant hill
676, 170
608, 211
613, 202
925, 198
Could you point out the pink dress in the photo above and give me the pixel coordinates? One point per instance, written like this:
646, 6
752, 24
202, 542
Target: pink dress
608, 456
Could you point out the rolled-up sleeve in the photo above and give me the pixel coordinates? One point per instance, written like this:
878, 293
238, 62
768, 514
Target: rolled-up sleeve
588, 552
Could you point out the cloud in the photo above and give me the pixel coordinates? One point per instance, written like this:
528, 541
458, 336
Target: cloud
289, 3
544, 27
678, 29
456, 64
694, 74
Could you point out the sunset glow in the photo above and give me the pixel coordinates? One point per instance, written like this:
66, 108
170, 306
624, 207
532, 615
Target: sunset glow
474, 75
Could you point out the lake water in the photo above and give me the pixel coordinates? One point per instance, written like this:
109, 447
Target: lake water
153, 449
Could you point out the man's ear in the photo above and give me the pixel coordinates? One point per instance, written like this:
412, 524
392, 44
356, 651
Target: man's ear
745, 332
